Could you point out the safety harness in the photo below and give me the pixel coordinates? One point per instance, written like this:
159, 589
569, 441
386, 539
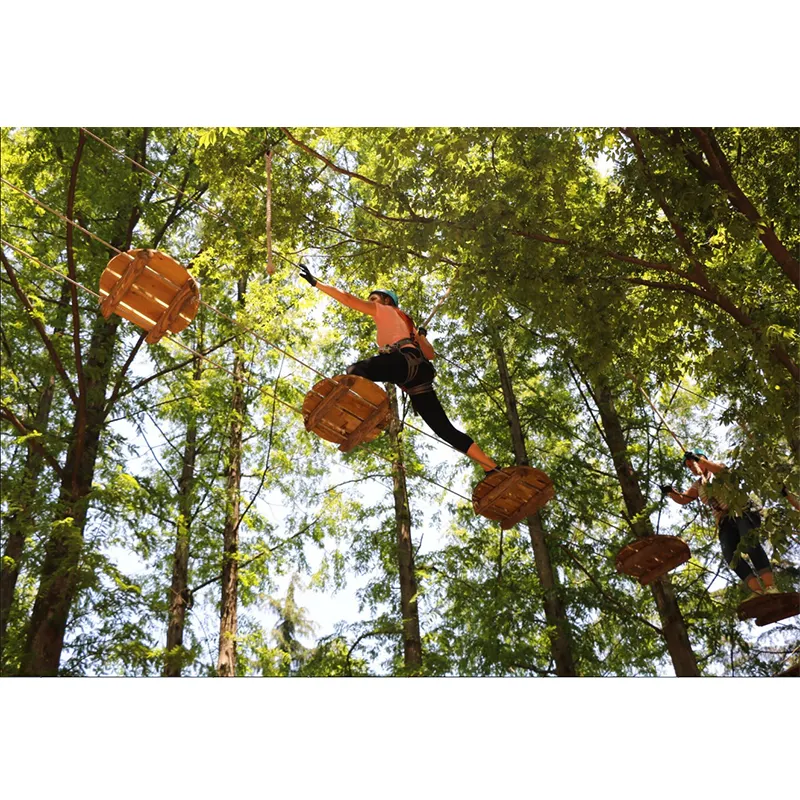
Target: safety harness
413, 359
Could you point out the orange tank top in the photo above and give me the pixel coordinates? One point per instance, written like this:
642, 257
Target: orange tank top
391, 323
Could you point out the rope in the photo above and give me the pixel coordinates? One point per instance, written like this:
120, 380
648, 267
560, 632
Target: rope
663, 421
206, 305
440, 303
213, 363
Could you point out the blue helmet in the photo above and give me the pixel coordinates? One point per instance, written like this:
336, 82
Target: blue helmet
696, 452
389, 293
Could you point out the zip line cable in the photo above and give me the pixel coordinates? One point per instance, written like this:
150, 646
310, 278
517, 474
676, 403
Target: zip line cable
229, 221
258, 336
216, 365
202, 303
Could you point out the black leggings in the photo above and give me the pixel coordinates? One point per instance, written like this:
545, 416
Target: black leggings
731, 531
393, 368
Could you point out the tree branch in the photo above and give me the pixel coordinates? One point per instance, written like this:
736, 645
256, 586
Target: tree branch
40, 328
6, 412
113, 398
330, 163
603, 592
699, 275
163, 372
258, 555
723, 177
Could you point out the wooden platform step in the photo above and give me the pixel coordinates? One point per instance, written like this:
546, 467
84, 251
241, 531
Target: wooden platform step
649, 558
769, 608
512, 495
347, 409
151, 290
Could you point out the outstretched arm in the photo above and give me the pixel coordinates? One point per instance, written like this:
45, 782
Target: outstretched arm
349, 300
356, 303
790, 497
702, 461
682, 498
711, 466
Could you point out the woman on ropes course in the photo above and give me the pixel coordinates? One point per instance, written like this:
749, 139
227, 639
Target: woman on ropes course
731, 528
404, 359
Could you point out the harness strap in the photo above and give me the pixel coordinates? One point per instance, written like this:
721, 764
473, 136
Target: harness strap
411, 352
422, 388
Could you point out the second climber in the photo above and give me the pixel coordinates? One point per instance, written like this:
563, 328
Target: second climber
734, 530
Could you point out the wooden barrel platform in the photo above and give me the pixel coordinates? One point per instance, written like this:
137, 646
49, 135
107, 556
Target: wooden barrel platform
650, 558
511, 495
347, 409
769, 608
151, 290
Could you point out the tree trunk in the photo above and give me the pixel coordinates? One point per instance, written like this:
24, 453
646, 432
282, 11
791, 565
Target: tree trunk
228, 623
554, 610
412, 641
672, 623
60, 570
19, 522
178, 593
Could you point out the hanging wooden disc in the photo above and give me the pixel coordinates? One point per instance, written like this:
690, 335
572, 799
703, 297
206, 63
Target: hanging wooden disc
347, 410
511, 495
790, 672
151, 290
769, 608
650, 558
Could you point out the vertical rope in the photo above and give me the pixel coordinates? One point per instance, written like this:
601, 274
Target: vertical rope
439, 304
678, 441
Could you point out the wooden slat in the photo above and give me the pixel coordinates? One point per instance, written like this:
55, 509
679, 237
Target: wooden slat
330, 431
153, 291
171, 312
133, 315
665, 566
500, 489
539, 500
329, 401
132, 271
769, 608
169, 269
143, 301
377, 416
645, 557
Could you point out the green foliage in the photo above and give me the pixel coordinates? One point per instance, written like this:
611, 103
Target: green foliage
648, 277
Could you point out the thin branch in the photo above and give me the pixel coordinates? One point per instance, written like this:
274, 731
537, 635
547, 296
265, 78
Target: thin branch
115, 392
166, 371
330, 163
39, 328
260, 554
32, 442
376, 632
269, 449
723, 176
603, 592
161, 466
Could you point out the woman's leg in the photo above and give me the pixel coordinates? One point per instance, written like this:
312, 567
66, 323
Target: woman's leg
755, 552
383, 368
427, 405
729, 539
